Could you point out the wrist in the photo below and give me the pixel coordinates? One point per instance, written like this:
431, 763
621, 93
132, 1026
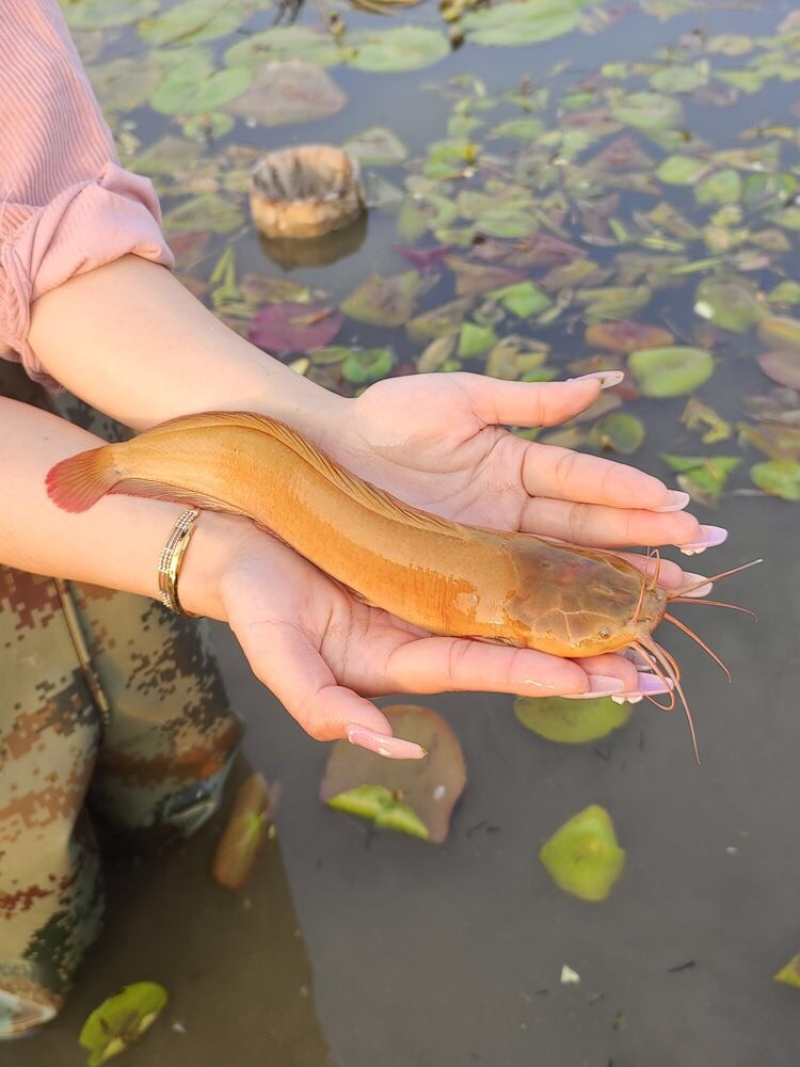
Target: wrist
218, 542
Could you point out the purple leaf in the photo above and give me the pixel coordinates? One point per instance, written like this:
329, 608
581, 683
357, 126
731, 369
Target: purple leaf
287, 328
424, 259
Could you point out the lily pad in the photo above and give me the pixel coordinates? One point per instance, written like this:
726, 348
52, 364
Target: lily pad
523, 299
730, 303
384, 301
674, 371
475, 339
441, 321
367, 365
413, 796
281, 43
682, 170
282, 329
93, 14
188, 90
724, 187
618, 432
703, 477
648, 111
778, 478
571, 722
193, 20
121, 1019
790, 973
518, 22
125, 83
377, 146
402, 48
627, 336
244, 834
209, 211
779, 332
583, 856
782, 367
285, 93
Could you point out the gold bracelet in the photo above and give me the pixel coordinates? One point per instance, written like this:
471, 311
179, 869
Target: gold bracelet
169, 562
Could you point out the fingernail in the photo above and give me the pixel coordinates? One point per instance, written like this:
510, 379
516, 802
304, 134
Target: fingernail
600, 685
384, 744
712, 536
701, 590
678, 502
607, 378
647, 685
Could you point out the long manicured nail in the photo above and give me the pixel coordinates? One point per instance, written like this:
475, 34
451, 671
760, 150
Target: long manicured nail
600, 685
711, 537
678, 501
384, 744
701, 590
647, 685
607, 378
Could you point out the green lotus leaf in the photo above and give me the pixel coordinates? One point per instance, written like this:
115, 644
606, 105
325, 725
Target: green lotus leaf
681, 170
367, 365
704, 420
384, 301
187, 91
674, 371
95, 14
121, 1019
193, 20
416, 797
706, 475
779, 441
780, 332
287, 42
790, 973
571, 722
787, 293
377, 146
583, 856
520, 129
125, 83
648, 111
614, 302
764, 191
731, 303
475, 339
729, 44
779, 478
523, 299
441, 321
724, 187
402, 48
617, 432
206, 212
519, 22
681, 78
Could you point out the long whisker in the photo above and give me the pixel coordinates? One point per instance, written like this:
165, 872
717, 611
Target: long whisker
641, 600
713, 578
661, 670
712, 603
700, 642
657, 571
655, 652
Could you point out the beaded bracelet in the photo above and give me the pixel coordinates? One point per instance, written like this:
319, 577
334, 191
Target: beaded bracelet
169, 562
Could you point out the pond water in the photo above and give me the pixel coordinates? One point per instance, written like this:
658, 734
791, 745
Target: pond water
353, 947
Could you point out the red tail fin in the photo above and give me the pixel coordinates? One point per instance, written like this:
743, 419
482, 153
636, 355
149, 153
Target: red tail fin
76, 483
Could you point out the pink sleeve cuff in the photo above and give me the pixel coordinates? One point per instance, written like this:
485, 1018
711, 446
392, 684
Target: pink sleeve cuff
84, 227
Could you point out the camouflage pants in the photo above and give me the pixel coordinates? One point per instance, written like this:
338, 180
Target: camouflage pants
112, 713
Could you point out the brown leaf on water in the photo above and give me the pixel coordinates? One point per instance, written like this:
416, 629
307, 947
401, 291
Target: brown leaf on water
244, 834
627, 336
779, 442
284, 93
623, 153
475, 278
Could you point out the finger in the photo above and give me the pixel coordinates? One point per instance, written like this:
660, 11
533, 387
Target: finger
446, 664
561, 474
284, 659
501, 403
596, 526
670, 575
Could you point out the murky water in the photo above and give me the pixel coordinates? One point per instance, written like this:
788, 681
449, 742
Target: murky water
357, 949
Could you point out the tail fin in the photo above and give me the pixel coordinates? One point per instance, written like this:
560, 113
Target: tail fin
76, 483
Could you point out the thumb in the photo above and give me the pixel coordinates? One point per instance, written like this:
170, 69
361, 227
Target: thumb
502, 403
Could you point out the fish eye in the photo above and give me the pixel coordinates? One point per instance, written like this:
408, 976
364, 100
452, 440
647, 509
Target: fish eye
604, 633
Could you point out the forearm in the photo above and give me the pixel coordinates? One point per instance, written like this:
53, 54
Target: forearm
132, 341
118, 541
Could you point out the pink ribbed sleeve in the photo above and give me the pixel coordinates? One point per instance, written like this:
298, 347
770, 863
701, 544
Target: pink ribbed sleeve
65, 205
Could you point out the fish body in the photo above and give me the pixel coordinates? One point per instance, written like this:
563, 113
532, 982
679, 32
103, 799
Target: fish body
443, 576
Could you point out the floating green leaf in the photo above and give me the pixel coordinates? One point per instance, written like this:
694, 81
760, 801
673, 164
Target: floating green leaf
518, 22
125, 83
779, 478
377, 146
571, 722
724, 187
703, 477
403, 48
699, 416
583, 856
522, 299
731, 303
287, 42
93, 14
780, 332
674, 371
475, 339
121, 1019
682, 170
414, 796
618, 432
440, 321
648, 111
193, 20
244, 834
681, 78
206, 212
285, 93
790, 973
367, 365
384, 301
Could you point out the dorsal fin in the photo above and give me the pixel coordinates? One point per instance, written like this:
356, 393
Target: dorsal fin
366, 494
